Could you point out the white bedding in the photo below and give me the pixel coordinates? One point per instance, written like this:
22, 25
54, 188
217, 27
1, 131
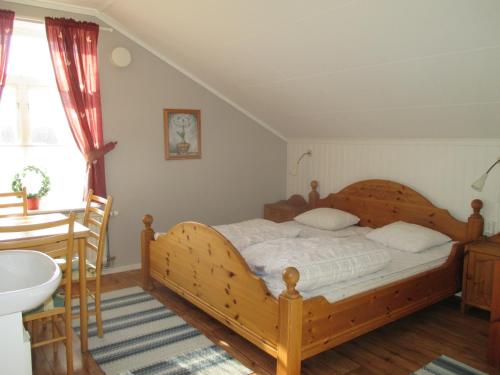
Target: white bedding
320, 260
401, 266
307, 231
253, 231
250, 232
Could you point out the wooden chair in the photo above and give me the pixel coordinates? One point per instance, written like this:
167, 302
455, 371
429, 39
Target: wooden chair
52, 308
14, 200
96, 219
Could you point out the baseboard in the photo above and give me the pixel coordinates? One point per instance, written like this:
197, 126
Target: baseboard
128, 267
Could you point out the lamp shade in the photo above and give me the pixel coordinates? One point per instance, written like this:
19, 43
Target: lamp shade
479, 183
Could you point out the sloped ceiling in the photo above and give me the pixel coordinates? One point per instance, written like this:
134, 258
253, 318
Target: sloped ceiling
334, 68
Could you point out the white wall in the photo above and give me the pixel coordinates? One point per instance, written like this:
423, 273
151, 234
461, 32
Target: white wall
442, 170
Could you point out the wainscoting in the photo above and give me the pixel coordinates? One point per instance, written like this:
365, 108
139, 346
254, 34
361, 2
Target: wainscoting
442, 170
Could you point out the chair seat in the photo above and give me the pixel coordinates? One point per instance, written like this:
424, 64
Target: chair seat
75, 272
55, 301
91, 272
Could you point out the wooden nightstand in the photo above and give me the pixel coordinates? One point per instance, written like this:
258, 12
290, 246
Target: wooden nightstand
494, 339
285, 210
477, 286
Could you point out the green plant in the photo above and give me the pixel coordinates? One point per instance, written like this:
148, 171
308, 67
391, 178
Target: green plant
31, 173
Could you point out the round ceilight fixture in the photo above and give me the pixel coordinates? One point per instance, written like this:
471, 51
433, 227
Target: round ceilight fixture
121, 57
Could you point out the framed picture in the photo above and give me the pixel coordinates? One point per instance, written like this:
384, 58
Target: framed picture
182, 129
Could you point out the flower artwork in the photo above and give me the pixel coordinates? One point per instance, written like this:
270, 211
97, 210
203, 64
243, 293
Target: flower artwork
182, 134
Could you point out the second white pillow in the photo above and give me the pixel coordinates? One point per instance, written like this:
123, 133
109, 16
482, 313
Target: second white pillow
327, 218
408, 237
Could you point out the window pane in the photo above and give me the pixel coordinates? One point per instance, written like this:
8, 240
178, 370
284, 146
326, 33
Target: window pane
48, 124
30, 52
15, 157
9, 134
65, 167
37, 128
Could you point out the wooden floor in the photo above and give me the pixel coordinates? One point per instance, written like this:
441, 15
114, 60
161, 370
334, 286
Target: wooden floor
398, 348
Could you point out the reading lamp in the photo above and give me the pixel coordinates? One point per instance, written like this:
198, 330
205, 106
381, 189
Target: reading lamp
479, 183
295, 170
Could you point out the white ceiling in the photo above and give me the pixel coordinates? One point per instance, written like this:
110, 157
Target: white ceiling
334, 68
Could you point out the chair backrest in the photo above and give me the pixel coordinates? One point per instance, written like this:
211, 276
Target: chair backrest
14, 203
59, 242
96, 219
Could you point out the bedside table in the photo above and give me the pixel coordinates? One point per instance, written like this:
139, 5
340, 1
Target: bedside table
494, 339
285, 210
477, 286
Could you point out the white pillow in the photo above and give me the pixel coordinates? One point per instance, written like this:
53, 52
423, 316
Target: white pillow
408, 237
327, 218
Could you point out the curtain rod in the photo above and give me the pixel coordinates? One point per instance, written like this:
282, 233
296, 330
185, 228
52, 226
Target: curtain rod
39, 20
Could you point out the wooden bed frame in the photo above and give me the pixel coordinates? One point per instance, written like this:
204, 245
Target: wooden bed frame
202, 266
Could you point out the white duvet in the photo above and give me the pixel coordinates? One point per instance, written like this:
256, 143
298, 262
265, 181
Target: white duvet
320, 261
250, 232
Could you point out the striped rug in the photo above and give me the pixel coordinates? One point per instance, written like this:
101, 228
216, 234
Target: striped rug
143, 337
447, 366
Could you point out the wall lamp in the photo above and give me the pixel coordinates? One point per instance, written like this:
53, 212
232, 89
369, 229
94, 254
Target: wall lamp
295, 169
479, 183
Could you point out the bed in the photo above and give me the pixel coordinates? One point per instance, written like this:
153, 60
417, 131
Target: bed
202, 266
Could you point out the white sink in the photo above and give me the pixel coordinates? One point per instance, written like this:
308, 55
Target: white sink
27, 278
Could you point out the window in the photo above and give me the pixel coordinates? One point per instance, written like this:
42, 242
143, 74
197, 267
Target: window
33, 125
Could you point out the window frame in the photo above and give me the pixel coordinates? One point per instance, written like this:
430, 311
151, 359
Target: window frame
22, 84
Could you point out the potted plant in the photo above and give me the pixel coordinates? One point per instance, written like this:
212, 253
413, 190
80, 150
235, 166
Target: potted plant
37, 185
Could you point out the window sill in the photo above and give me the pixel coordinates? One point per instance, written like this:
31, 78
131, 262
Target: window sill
65, 208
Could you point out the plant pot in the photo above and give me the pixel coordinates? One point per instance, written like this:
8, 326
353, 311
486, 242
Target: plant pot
183, 148
33, 203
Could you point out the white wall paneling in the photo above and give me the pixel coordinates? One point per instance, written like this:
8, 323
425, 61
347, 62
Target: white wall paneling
442, 170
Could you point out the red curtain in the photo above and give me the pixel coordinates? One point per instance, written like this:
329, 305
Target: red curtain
73, 49
6, 26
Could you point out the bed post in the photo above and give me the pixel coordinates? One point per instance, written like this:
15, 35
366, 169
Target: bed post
289, 351
475, 223
313, 195
147, 235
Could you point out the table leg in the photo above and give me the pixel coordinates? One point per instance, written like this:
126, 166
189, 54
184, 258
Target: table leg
82, 254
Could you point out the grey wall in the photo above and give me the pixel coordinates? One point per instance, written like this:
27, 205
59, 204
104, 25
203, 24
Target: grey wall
242, 166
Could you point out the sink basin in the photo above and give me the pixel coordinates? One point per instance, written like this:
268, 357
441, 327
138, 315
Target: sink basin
27, 278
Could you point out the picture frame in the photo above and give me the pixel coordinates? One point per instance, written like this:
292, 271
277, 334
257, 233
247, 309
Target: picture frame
182, 131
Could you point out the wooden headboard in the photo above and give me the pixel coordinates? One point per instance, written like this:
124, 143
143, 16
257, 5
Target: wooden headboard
381, 202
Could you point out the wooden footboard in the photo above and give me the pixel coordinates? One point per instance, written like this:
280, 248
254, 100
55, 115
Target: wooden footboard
199, 264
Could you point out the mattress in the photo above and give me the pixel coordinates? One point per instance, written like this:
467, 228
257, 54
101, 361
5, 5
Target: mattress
402, 265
